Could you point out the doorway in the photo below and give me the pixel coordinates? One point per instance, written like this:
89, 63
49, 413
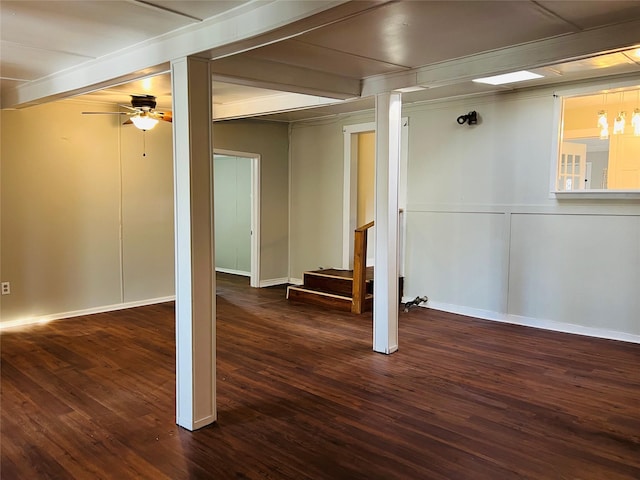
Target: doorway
237, 213
359, 153
366, 187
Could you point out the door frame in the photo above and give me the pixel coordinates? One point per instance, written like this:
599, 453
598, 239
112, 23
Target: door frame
350, 188
255, 209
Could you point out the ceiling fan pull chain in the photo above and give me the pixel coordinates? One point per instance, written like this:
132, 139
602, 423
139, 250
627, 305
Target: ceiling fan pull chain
144, 143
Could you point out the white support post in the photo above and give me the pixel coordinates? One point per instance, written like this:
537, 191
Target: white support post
194, 247
385, 287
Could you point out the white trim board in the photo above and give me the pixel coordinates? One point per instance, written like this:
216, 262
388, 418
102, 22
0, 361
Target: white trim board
270, 282
530, 321
233, 272
87, 311
203, 422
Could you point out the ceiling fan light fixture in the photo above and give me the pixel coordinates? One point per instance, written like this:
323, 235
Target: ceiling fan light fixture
618, 124
603, 124
144, 121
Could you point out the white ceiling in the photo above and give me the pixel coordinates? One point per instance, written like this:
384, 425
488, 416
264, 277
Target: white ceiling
316, 49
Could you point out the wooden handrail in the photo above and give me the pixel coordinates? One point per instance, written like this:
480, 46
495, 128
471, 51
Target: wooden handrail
359, 289
364, 227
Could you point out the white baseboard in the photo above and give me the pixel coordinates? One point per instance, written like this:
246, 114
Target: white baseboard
296, 281
196, 424
79, 313
530, 321
274, 281
233, 272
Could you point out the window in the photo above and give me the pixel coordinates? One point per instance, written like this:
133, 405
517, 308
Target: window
599, 145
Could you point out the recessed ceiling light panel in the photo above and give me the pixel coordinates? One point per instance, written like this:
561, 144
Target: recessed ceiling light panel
512, 77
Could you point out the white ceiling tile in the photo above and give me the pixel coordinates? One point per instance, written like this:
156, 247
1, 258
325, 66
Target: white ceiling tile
92, 28
414, 34
300, 54
41, 62
588, 14
595, 63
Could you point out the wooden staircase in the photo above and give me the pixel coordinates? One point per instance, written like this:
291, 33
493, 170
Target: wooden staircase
346, 290
332, 288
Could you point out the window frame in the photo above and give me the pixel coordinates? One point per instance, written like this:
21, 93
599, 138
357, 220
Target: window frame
558, 97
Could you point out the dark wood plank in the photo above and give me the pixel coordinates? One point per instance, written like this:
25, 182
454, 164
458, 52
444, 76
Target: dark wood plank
334, 301
338, 284
301, 395
343, 273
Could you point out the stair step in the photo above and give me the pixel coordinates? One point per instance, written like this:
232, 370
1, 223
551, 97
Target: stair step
325, 299
317, 297
329, 283
334, 281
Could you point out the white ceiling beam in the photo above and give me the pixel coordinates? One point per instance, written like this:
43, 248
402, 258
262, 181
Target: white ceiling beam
160, 8
268, 105
542, 53
249, 26
287, 78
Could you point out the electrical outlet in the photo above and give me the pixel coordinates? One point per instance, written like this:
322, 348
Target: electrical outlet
6, 288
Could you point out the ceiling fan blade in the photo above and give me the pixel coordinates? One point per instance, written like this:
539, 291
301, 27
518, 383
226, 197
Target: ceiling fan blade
128, 122
130, 108
166, 116
105, 113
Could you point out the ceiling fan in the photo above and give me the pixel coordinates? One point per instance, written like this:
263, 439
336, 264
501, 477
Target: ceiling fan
142, 112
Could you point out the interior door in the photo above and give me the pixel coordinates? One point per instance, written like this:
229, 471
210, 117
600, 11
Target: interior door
572, 167
624, 162
232, 203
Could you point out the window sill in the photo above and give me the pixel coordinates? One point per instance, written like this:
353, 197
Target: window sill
598, 195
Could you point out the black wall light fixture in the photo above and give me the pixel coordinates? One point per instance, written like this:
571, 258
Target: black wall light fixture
470, 118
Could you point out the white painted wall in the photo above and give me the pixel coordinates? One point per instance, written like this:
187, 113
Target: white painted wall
366, 188
555, 274
484, 237
147, 212
270, 141
316, 171
366, 177
87, 221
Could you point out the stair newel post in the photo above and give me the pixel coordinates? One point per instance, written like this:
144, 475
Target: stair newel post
359, 268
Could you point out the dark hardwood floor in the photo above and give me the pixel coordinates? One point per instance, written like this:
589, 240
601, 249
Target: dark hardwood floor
301, 395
